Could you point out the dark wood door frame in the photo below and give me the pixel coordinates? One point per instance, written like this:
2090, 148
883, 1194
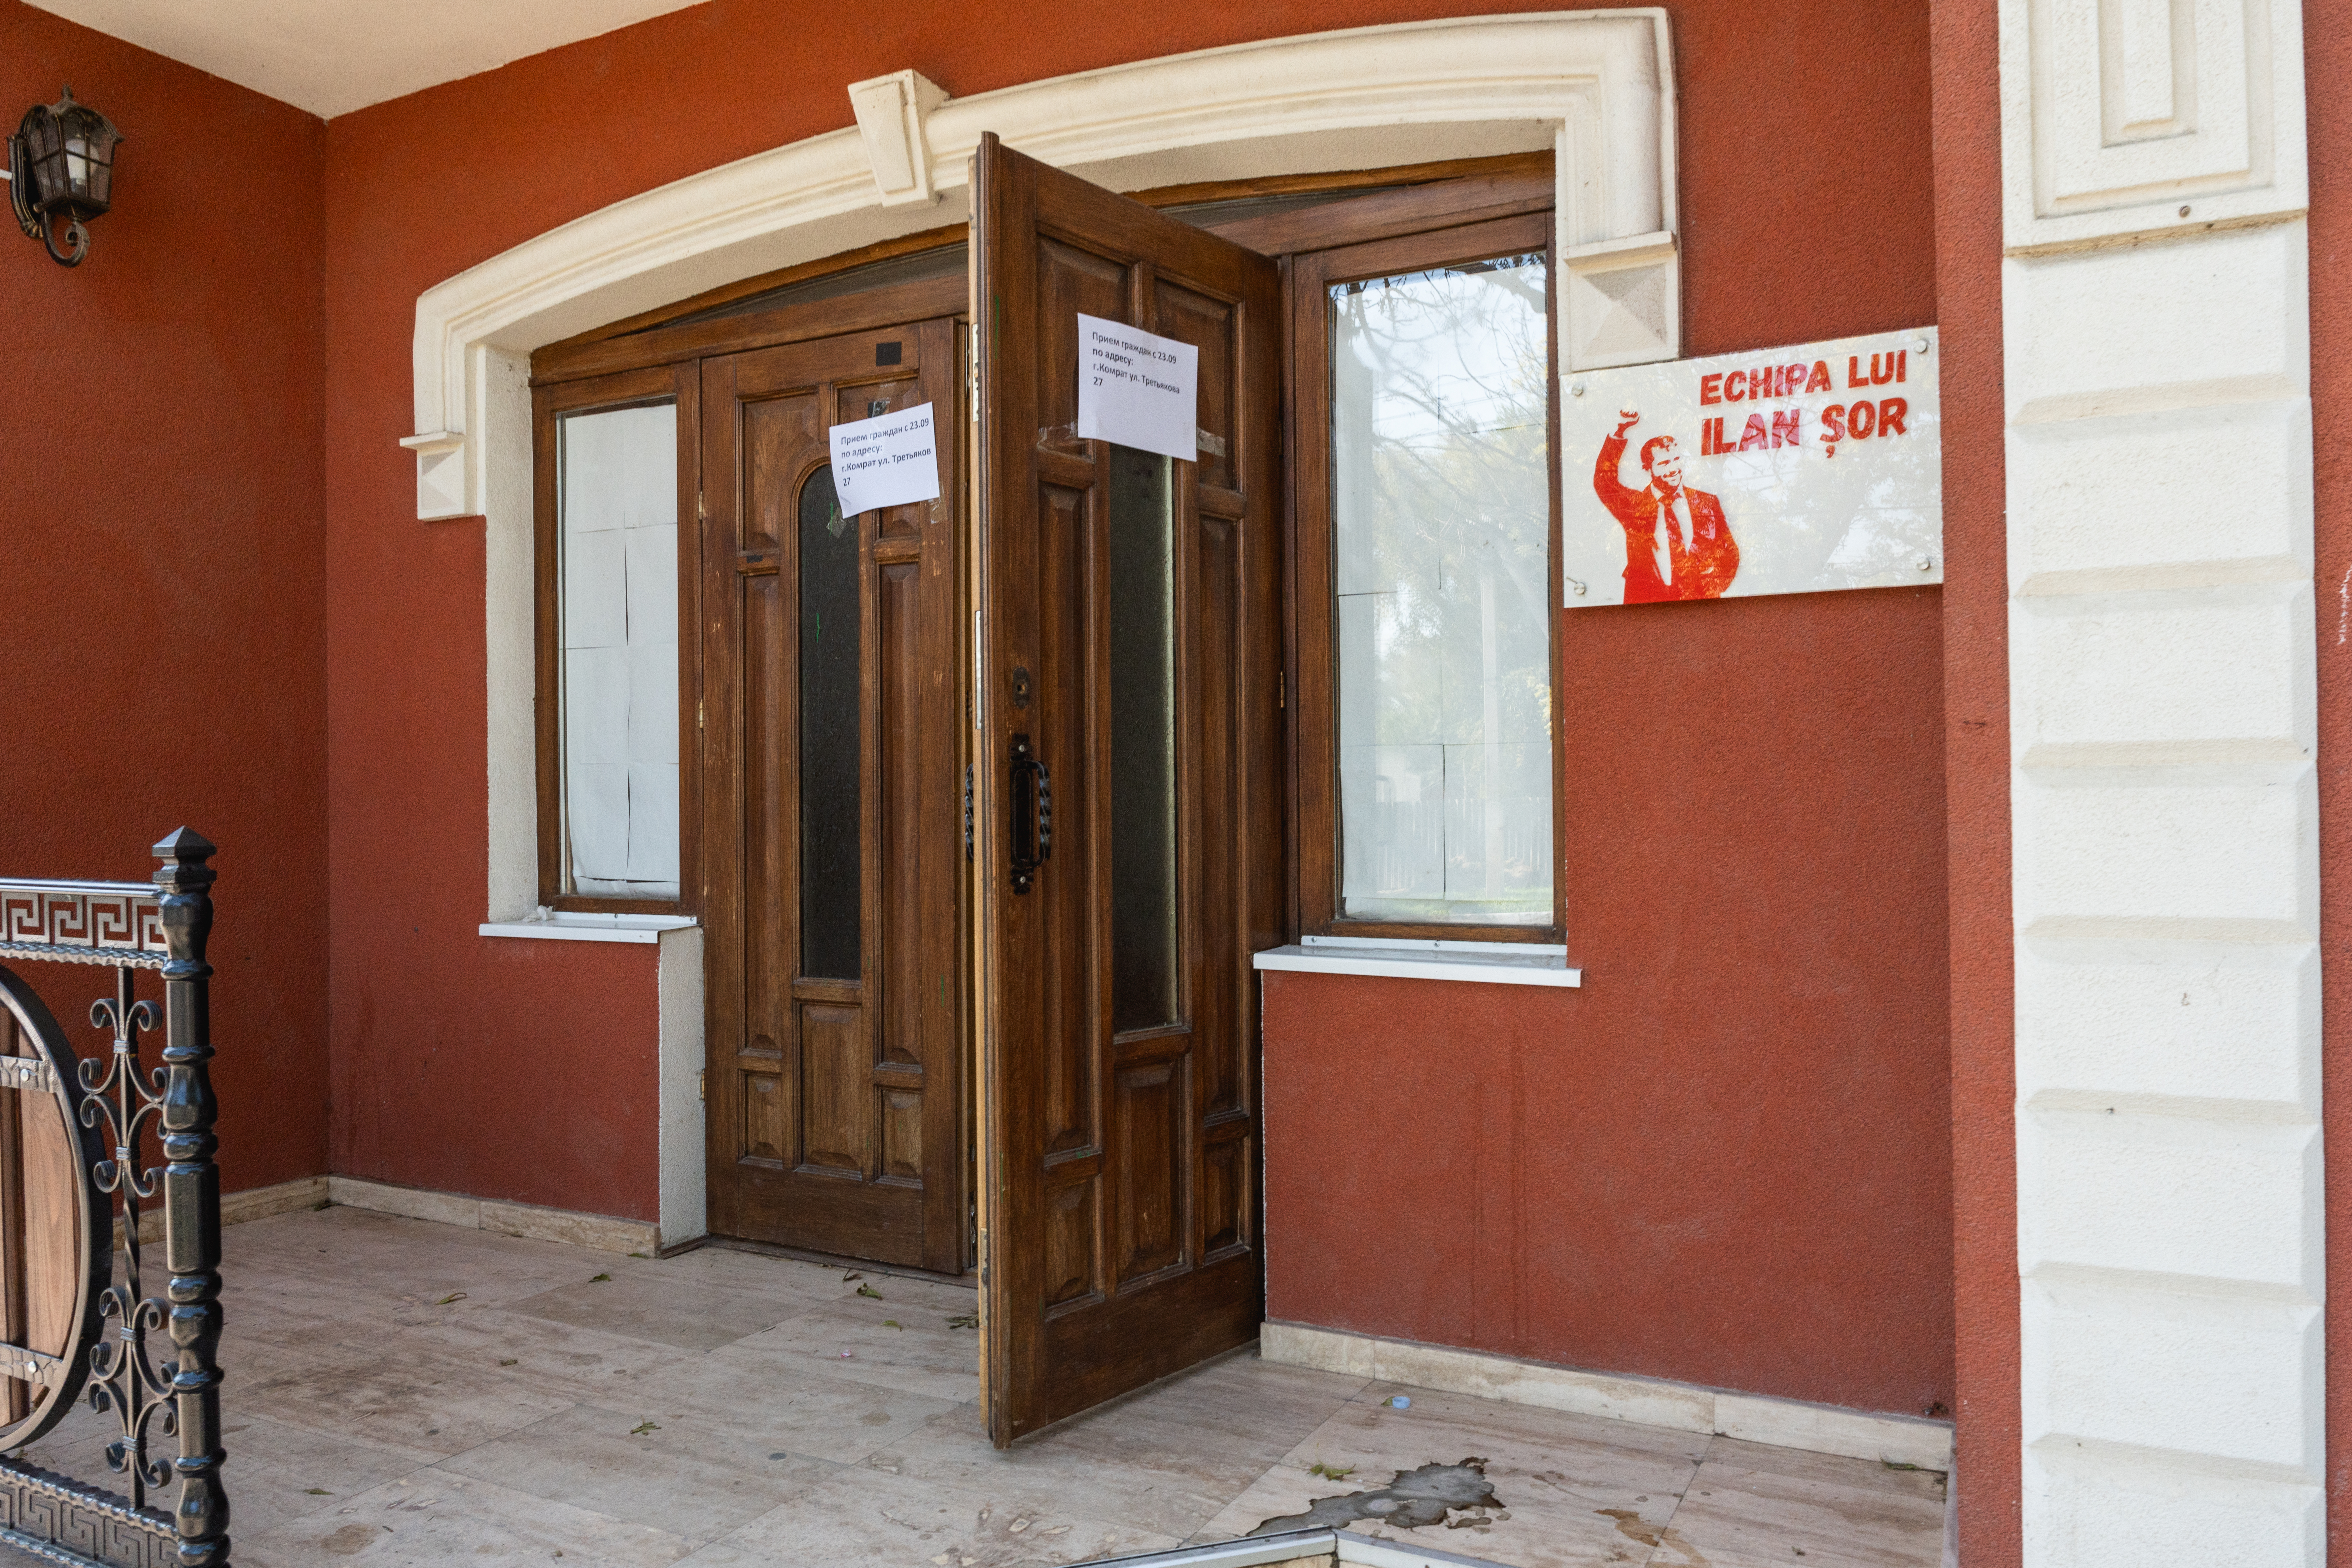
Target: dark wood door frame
834, 1105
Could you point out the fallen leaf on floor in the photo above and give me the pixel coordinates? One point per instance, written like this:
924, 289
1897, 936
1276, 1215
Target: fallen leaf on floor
1017, 1526
506, 1361
868, 1291
853, 1274
1332, 1472
599, 1278
943, 1559
969, 1321
642, 1428
892, 1323
452, 1296
316, 1491
1057, 1530
647, 1255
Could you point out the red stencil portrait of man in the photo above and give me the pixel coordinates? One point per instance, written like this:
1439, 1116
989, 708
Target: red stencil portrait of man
1677, 544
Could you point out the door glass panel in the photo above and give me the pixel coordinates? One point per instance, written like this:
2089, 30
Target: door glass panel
1142, 740
1442, 511
831, 889
617, 557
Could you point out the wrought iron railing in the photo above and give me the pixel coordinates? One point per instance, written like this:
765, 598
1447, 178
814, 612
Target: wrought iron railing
73, 1180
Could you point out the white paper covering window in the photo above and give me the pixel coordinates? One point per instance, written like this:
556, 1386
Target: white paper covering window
1441, 507
618, 501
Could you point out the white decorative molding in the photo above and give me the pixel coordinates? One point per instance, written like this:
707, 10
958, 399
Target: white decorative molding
2129, 119
1593, 86
1617, 1397
440, 474
1623, 299
890, 112
2163, 797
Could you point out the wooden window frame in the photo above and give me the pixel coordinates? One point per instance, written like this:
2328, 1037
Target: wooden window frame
1409, 245
637, 388
657, 355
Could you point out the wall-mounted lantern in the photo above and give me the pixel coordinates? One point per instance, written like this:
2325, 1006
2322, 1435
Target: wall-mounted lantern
60, 173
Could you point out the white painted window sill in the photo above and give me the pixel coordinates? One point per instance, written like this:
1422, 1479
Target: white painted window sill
1480, 962
568, 925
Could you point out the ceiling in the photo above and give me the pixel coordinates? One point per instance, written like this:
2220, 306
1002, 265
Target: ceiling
331, 56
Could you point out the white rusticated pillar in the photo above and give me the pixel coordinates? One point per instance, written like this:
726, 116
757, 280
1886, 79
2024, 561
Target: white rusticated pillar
2165, 873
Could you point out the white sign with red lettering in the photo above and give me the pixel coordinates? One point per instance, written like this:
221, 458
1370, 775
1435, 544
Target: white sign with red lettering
1788, 470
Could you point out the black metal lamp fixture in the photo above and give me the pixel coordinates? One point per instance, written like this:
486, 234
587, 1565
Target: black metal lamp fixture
60, 173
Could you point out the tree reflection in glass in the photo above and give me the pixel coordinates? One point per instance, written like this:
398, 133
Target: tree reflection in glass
1442, 506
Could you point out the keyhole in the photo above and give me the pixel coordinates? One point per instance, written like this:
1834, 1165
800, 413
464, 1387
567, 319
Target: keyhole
1020, 689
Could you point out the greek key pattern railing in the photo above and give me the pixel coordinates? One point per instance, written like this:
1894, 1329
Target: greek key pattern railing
83, 922
149, 1360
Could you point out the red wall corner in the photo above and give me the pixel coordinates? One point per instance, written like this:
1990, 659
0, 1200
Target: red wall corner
163, 579
1975, 697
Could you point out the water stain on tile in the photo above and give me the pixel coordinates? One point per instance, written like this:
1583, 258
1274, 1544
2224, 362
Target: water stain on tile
1416, 1499
1658, 1537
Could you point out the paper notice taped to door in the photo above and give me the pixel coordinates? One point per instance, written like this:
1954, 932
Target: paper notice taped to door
1138, 388
890, 459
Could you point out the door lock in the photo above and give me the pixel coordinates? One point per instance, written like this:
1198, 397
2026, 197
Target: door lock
1032, 813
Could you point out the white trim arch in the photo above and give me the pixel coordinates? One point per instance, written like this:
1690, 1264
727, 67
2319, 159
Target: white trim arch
1594, 87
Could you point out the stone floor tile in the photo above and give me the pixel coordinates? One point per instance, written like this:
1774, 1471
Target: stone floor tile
921, 1355
421, 1400
1107, 1465
869, 1518
644, 1305
678, 1474
276, 1473
434, 1517
772, 1406
1754, 1504
501, 1426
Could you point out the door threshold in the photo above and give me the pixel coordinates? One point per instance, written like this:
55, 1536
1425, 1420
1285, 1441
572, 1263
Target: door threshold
837, 1260
1302, 1547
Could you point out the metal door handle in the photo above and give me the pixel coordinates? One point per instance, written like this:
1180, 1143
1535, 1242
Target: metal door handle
1032, 813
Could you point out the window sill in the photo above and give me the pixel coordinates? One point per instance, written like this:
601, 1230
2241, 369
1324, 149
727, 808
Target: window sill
568, 925
1478, 962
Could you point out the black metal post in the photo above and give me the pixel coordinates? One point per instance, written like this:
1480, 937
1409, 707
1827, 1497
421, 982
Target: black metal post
192, 1227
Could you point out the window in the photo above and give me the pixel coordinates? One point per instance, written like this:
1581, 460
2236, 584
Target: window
612, 771
1427, 514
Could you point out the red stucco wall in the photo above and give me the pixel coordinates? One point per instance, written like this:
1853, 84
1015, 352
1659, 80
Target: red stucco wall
1977, 770
1729, 1159
162, 555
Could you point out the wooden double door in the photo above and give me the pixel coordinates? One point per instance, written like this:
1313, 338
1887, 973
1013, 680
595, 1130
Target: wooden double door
996, 793
832, 709
1132, 761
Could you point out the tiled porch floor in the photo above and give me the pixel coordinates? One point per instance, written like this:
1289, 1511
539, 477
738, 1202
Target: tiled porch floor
406, 1392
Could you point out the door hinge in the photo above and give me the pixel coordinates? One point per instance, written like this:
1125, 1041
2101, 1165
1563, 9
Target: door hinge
699, 515
697, 1084
697, 713
1282, 688
974, 363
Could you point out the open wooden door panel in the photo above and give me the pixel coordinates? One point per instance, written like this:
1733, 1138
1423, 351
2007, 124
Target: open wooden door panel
1131, 802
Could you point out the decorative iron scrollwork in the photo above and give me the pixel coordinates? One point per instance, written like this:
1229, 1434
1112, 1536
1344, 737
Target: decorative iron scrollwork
109, 1106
